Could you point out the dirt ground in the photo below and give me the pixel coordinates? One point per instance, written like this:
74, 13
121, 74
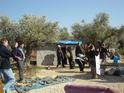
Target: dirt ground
115, 82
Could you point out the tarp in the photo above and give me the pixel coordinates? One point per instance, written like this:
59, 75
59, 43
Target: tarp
69, 42
37, 83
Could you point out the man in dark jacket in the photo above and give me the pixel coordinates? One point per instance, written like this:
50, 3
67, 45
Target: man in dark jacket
79, 51
5, 66
70, 57
64, 61
60, 56
14, 51
19, 57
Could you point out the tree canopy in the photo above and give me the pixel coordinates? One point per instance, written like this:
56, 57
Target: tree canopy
98, 30
34, 30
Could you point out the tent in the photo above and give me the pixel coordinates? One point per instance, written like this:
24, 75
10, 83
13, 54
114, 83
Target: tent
69, 42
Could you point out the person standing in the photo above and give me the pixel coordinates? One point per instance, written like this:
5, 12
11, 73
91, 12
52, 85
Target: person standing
70, 57
116, 57
103, 53
20, 56
86, 52
5, 66
92, 61
64, 61
14, 51
60, 56
78, 52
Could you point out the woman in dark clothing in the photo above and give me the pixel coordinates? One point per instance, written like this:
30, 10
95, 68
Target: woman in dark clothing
92, 61
70, 57
103, 53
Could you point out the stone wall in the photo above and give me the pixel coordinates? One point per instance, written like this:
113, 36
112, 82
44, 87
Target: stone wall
46, 57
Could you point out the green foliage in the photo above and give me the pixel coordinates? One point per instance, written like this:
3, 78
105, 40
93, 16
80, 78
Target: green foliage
35, 31
121, 51
38, 29
63, 34
120, 37
8, 29
98, 30
32, 30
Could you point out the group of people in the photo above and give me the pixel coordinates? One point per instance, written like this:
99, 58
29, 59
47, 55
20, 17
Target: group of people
63, 54
89, 50
18, 55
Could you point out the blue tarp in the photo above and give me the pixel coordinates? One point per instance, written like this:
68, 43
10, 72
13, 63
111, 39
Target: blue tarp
37, 83
69, 42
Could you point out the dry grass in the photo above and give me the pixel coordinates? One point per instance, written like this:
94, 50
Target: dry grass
81, 78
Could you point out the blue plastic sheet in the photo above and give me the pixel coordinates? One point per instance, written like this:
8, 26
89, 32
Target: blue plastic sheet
37, 83
69, 42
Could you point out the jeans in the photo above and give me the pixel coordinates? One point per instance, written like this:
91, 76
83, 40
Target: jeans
9, 79
20, 65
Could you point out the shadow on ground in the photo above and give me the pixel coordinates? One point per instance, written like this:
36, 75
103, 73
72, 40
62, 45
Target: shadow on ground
87, 76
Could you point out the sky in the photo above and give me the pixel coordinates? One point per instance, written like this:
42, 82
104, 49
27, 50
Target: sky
66, 12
